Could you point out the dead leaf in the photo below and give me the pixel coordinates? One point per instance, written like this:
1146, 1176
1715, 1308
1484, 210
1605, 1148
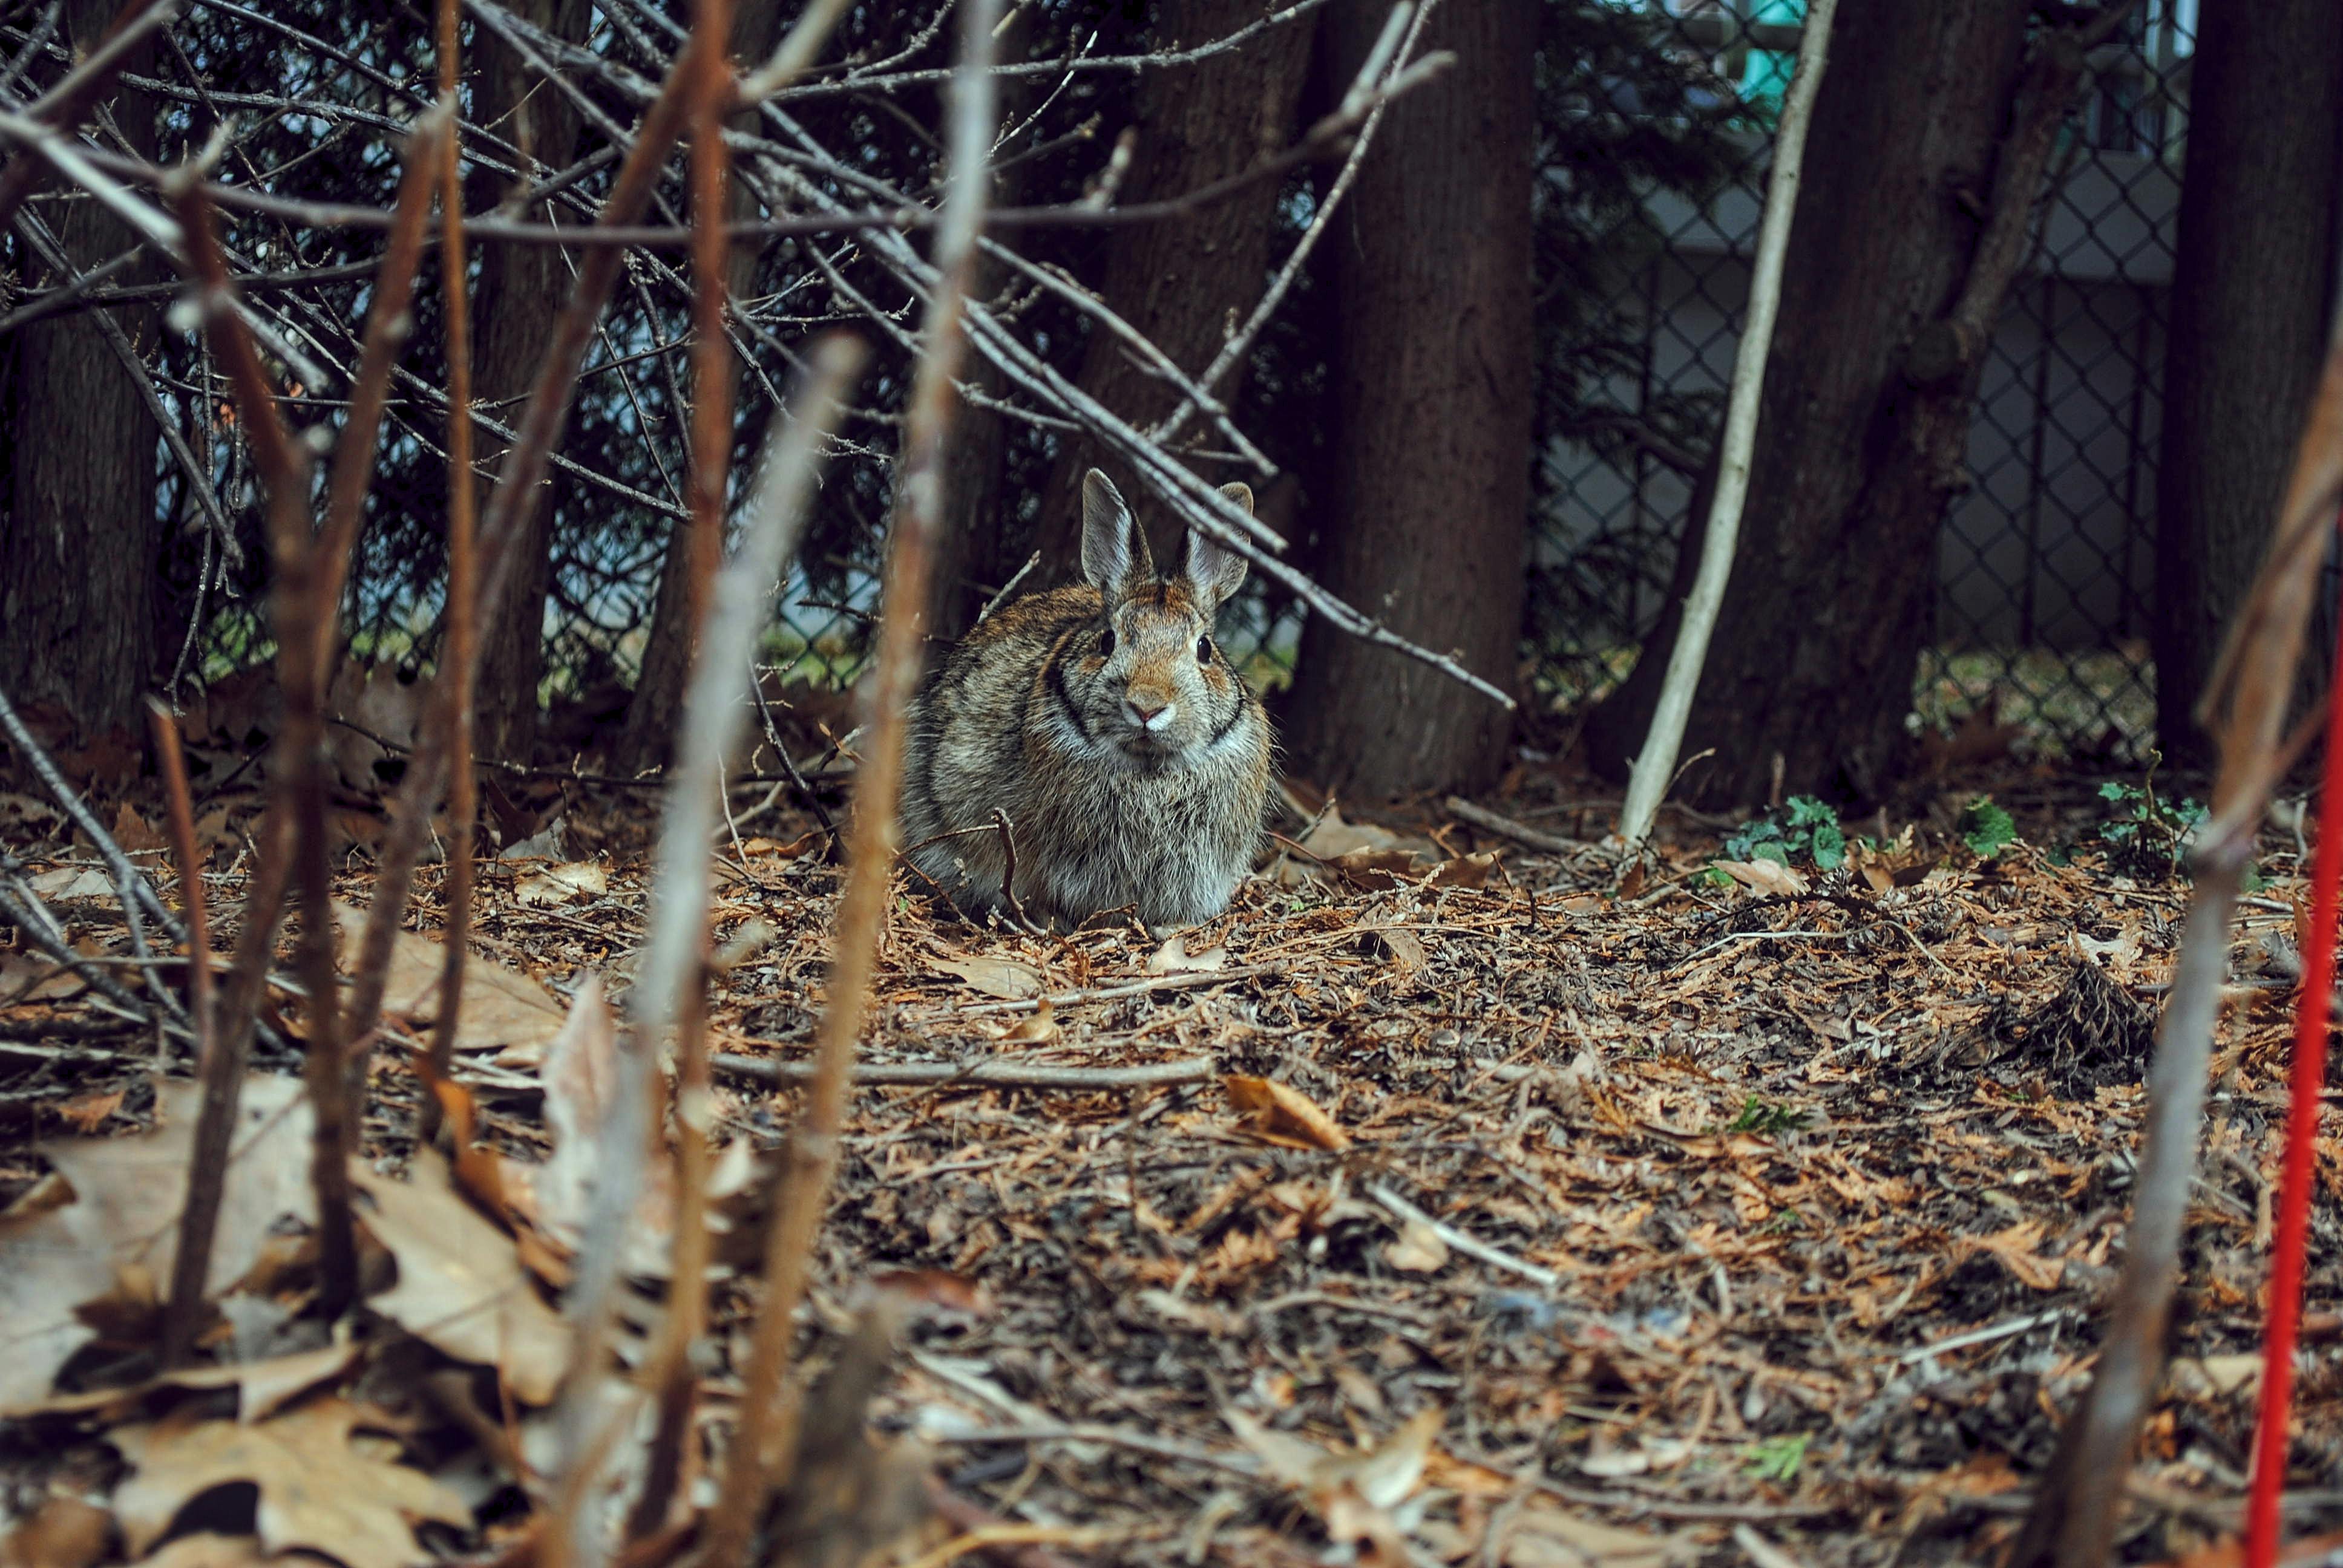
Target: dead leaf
73, 884
2302, 1553
1173, 957
24, 977
263, 1387
545, 844
2014, 1250
584, 1073
1280, 1114
375, 700
1352, 1492
132, 833
204, 1550
1034, 1030
562, 884
1404, 949
503, 1012
1465, 870
87, 1113
317, 1492
121, 1228
64, 1532
1004, 978
1542, 1536
1765, 875
461, 1288
1417, 1249
1374, 869
1332, 837
2217, 1377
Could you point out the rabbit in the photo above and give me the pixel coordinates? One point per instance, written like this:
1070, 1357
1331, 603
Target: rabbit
1132, 760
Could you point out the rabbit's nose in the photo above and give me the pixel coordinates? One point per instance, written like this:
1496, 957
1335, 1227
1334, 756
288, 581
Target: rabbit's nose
1150, 713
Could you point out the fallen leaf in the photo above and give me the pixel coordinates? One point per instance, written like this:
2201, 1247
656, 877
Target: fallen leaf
85, 1114
62, 1531
1403, 946
562, 884
204, 1550
73, 884
263, 1387
2305, 1551
1465, 870
1417, 1249
1283, 1115
121, 1227
1003, 978
2015, 1248
1331, 836
2213, 1377
24, 977
1173, 957
1374, 869
461, 1288
545, 844
584, 1073
316, 1491
132, 833
1765, 875
502, 1010
1040, 1026
1541, 1536
1352, 1492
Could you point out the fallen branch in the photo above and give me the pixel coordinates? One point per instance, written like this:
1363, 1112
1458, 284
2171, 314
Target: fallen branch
1471, 1246
1505, 826
991, 1073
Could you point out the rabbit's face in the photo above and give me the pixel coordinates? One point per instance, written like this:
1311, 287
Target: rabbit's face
1158, 686
1150, 682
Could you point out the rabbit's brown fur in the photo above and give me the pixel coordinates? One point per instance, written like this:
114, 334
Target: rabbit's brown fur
1132, 760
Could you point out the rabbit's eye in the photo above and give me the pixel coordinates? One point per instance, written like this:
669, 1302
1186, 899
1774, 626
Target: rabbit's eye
1204, 650
1106, 643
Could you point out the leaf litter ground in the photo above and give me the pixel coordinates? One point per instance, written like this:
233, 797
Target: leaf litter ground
1438, 1182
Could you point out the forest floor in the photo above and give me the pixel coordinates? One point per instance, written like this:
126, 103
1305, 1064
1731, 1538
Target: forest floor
1777, 1198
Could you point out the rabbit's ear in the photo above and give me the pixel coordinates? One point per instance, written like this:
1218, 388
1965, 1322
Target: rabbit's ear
1218, 572
1113, 549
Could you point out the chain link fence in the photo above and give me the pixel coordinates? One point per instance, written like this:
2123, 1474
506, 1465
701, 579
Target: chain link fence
2045, 564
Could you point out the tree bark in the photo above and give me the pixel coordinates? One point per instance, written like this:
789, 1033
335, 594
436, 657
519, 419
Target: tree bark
1931, 139
522, 289
81, 537
2251, 303
1428, 525
1177, 280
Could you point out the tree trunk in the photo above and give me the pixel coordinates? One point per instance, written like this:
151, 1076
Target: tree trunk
1931, 139
522, 289
80, 539
2250, 298
1428, 525
1177, 280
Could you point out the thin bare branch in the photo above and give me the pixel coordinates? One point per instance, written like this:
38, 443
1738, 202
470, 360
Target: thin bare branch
2073, 1520
64, 105
763, 1452
298, 789
462, 586
191, 1263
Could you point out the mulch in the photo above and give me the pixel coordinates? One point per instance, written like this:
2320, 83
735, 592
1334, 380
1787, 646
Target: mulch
1693, 1208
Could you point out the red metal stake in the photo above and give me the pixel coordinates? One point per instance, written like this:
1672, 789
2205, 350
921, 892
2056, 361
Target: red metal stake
2310, 1020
